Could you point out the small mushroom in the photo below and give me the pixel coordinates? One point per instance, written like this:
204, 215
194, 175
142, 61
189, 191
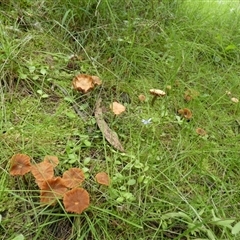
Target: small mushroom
73, 177
235, 100
186, 113
51, 190
117, 108
42, 171
20, 164
156, 93
51, 159
142, 98
103, 178
201, 131
84, 83
190, 94
96, 80
76, 200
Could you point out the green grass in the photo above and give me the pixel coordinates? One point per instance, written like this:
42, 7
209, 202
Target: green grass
170, 183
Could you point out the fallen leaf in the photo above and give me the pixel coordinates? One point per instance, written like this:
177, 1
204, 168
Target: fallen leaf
109, 134
117, 108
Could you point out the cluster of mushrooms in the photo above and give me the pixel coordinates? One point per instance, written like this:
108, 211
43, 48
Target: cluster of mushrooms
54, 188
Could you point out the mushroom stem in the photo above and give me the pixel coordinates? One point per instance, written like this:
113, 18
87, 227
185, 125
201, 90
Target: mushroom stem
154, 99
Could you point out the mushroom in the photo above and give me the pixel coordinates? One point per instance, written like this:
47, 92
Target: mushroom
190, 94
20, 164
51, 190
96, 80
51, 159
117, 108
142, 98
156, 93
235, 100
201, 131
76, 200
42, 171
73, 177
186, 113
103, 178
84, 83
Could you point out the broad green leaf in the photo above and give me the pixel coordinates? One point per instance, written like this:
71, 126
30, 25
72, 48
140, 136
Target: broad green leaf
87, 143
176, 215
120, 199
19, 237
43, 71
224, 223
23, 76
31, 69
138, 164
45, 95
140, 178
230, 47
69, 99
71, 115
123, 188
131, 182
210, 235
35, 77
127, 195
85, 169
236, 228
40, 92
86, 160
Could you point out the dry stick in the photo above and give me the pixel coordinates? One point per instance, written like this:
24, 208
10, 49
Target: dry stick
107, 132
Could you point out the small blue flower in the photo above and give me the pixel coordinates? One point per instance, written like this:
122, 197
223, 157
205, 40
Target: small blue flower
145, 122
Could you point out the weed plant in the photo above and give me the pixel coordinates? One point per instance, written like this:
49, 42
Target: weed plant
170, 183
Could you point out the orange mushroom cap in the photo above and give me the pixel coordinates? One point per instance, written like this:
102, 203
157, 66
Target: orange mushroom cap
73, 177
84, 83
185, 112
142, 98
51, 190
76, 200
103, 178
20, 164
51, 159
42, 171
96, 80
201, 131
